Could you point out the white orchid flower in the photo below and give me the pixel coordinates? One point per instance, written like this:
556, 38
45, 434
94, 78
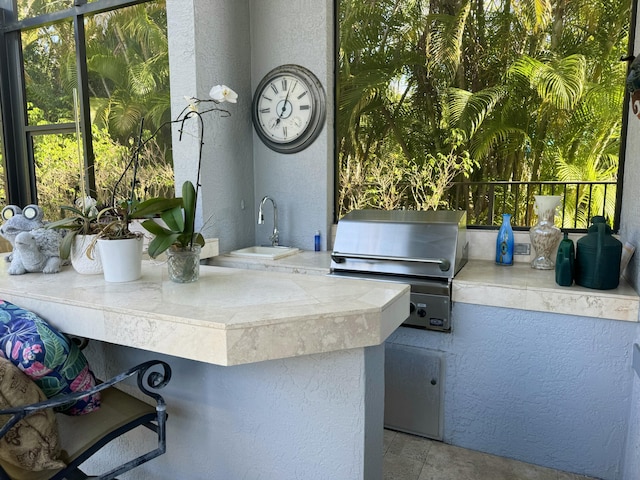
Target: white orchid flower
222, 93
87, 205
193, 103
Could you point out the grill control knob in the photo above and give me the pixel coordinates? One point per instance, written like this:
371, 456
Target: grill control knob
412, 308
422, 313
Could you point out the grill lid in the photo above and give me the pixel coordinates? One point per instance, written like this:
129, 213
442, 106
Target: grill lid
401, 242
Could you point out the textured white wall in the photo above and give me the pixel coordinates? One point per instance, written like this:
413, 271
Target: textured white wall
209, 45
630, 231
299, 418
298, 32
552, 390
632, 450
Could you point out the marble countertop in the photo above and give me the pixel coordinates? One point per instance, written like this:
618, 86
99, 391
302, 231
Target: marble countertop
305, 262
482, 282
229, 317
519, 286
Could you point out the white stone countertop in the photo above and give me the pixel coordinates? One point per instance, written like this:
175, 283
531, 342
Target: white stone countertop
229, 317
305, 262
482, 282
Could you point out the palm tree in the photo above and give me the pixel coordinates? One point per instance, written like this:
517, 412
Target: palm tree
395, 60
502, 83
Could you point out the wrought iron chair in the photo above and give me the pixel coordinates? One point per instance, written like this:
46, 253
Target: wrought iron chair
83, 436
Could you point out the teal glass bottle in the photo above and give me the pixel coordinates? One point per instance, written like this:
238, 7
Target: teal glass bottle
565, 259
504, 242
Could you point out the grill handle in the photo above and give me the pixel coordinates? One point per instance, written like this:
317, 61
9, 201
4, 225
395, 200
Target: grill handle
338, 257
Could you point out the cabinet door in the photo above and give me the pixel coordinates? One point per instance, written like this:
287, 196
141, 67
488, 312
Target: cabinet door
413, 393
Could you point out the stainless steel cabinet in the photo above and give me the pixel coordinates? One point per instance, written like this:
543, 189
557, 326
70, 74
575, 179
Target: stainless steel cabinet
413, 390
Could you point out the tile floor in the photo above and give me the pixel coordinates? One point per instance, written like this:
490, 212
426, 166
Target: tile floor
407, 457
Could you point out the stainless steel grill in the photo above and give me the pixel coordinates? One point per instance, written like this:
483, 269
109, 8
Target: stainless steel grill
422, 248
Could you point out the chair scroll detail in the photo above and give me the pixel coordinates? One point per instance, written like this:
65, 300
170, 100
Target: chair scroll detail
118, 414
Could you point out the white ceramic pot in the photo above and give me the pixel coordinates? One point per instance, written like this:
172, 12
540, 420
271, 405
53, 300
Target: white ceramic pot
121, 259
80, 261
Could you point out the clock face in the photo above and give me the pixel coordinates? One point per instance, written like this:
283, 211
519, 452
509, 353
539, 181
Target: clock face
288, 109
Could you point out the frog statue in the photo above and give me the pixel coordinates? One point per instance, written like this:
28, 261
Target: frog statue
35, 248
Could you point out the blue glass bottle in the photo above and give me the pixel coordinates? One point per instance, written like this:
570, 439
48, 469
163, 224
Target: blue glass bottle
504, 242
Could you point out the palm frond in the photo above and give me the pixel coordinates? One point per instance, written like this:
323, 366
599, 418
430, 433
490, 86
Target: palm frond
558, 82
468, 110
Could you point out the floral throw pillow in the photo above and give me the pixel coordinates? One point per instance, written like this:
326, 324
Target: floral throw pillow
46, 356
32, 444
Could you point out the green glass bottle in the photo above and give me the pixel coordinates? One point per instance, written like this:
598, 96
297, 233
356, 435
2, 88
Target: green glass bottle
565, 259
598, 256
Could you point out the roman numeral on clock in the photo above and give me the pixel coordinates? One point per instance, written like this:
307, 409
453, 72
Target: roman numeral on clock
304, 107
265, 110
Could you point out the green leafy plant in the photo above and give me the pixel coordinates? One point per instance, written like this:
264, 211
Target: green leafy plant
114, 222
179, 221
85, 219
178, 214
82, 220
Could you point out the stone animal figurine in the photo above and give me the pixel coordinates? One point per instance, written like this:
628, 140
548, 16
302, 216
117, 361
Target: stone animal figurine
35, 248
16, 220
36, 251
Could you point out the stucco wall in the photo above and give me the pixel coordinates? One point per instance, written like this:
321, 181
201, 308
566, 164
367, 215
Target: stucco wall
209, 44
552, 390
630, 231
299, 32
297, 418
632, 451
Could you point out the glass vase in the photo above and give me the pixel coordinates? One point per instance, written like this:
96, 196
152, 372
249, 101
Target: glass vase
504, 242
545, 236
184, 264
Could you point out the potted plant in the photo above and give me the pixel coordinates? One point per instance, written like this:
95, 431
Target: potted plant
120, 248
81, 228
177, 236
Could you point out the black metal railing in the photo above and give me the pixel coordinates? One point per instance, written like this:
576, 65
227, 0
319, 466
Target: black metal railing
485, 202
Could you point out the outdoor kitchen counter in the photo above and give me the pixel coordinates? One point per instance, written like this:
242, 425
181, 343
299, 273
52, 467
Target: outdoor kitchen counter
482, 282
237, 316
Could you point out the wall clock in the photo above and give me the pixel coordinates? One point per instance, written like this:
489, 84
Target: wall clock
289, 108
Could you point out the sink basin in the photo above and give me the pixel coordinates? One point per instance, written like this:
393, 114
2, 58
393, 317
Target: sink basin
268, 253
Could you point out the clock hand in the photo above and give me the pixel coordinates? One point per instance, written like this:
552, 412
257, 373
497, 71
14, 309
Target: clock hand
284, 106
286, 100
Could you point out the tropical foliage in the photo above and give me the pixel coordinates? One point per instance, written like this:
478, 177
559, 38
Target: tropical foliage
128, 72
478, 90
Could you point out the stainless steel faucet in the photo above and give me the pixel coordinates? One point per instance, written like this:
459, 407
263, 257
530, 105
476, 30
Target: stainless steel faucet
275, 236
